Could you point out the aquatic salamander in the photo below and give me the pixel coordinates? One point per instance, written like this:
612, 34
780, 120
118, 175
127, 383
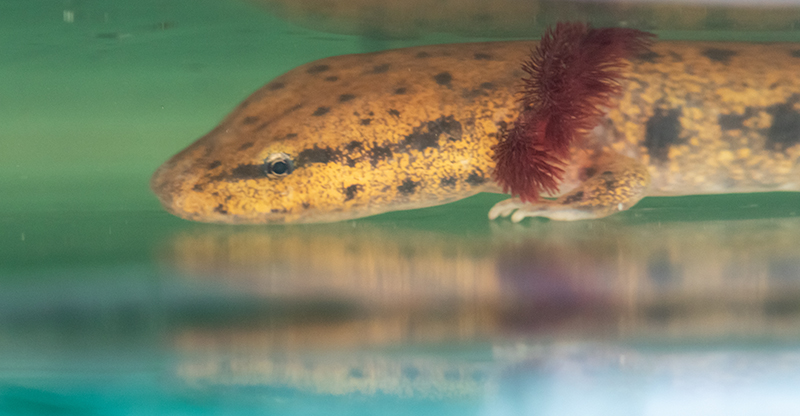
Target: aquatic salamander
356, 135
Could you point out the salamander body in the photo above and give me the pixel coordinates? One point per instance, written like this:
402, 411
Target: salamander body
356, 135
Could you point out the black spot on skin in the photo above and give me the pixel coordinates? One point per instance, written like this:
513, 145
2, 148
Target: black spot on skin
366, 121
408, 187
483, 56
475, 178
370, 114
379, 153
394, 112
316, 69
321, 111
732, 121
306, 205
221, 209
486, 86
246, 146
380, 69
400, 91
427, 135
795, 53
785, 129
443, 78
198, 188
449, 182
662, 131
293, 109
608, 178
262, 126
353, 146
577, 196
244, 172
316, 155
423, 55
648, 56
290, 136
250, 120
719, 55
275, 86
346, 97
351, 191
215, 164
588, 172
332, 78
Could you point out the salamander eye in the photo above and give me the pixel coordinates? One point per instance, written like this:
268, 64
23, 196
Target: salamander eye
278, 165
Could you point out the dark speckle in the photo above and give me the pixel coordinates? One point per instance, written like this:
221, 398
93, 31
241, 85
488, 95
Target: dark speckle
795, 53
423, 55
366, 121
246, 146
316, 155
483, 56
332, 78
244, 172
487, 86
215, 164
276, 86
427, 134
290, 136
306, 205
250, 120
400, 91
732, 121
351, 191
662, 131
379, 153
476, 178
719, 55
394, 112
321, 111
293, 109
353, 146
408, 187
316, 69
380, 69
577, 196
449, 181
676, 57
443, 78
221, 209
648, 56
346, 97
198, 188
785, 129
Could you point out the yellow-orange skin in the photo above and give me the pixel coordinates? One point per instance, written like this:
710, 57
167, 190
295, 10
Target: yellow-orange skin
413, 127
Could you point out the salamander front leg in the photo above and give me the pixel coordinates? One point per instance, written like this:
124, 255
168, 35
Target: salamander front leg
618, 184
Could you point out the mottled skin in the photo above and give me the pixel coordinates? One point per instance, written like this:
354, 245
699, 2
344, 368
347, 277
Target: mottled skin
413, 127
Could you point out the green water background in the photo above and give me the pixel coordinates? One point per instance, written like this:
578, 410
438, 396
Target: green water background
90, 304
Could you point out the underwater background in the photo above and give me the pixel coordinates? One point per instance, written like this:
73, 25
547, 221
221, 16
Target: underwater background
109, 305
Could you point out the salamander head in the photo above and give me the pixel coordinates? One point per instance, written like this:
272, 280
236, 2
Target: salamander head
350, 136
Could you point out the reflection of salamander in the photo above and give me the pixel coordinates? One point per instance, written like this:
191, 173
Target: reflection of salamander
356, 135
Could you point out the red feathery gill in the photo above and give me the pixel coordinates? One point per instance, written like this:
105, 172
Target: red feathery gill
572, 74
